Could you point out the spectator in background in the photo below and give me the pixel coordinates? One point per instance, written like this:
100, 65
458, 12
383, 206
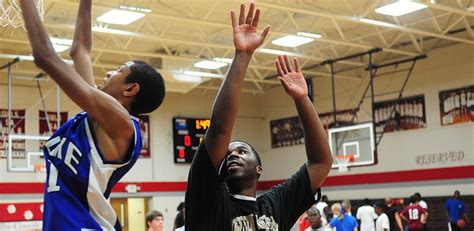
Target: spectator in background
346, 207
424, 205
366, 215
343, 221
154, 221
323, 209
303, 222
455, 210
179, 220
382, 223
315, 220
413, 215
394, 208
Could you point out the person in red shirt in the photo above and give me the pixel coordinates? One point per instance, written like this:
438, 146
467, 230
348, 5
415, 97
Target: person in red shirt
412, 214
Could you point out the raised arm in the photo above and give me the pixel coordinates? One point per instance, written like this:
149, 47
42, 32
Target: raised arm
224, 110
317, 148
82, 44
103, 108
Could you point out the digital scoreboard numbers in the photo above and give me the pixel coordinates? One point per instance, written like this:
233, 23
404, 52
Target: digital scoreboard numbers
187, 135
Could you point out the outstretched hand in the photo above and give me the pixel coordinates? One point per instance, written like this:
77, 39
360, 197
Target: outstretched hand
291, 77
246, 38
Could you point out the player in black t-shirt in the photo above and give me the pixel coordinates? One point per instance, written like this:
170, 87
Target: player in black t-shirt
215, 202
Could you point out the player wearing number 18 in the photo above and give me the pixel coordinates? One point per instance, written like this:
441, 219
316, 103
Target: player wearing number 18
413, 215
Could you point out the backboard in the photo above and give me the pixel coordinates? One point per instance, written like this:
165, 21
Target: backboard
24, 152
356, 140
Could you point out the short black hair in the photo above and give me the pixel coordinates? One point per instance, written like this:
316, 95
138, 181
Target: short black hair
152, 87
257, 156
366, 201
152, 215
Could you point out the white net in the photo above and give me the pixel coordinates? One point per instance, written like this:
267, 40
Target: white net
343, 162
10, 13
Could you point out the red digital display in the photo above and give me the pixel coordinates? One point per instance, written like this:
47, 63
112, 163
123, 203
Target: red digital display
187, 135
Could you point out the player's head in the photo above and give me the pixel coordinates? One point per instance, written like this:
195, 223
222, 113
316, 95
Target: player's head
457, 194
154, 220
366, 201
413, 199
336, 209
137, 86
378, 207
314, 217
243, 165
417, 196
324, 198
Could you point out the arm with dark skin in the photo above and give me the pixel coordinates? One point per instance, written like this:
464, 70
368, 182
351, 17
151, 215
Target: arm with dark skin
82, 44
224, 110
318, 152
113, 118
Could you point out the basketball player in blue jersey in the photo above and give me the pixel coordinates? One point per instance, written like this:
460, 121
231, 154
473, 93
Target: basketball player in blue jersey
89, 154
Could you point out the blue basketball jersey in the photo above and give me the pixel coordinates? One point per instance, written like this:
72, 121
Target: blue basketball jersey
79, 180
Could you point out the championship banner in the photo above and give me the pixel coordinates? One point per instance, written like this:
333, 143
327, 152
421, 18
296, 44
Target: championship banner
457, 105
343, 117
17, 125
145, 131
399, 115
54, 124
286, 132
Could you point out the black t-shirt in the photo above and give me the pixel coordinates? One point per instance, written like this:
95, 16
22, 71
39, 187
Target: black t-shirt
210, 207
391, 216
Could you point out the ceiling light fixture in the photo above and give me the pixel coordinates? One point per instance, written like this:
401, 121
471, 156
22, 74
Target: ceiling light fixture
277, 52
309, 35
399, 8
120, 17
223, 60
208, 64
377, 23
203, 74
137, 9
60, 45
292, 41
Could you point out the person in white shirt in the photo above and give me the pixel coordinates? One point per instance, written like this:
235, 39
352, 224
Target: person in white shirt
382, 223
422, 204
323, 209
366, 215
315, 219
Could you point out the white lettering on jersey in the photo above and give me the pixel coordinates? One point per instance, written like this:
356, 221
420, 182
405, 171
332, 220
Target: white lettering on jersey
70, 158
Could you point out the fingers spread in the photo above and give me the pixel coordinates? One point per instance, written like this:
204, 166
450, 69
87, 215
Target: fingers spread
264, 33
281, 59
250, 14
288, 64
256, 18
297, 65
242, 14
233, 18
278, 67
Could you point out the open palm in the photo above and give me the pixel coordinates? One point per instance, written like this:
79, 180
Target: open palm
246, 38
291, 77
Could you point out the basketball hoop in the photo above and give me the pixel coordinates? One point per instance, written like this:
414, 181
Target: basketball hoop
343, 162
10, 13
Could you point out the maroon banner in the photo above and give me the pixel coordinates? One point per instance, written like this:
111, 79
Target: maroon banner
54, 124
145, 131
17, 125
457, 105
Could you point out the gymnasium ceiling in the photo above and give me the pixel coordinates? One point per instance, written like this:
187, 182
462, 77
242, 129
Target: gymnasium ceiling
178, 33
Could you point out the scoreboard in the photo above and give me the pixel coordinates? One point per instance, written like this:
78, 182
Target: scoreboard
187, 135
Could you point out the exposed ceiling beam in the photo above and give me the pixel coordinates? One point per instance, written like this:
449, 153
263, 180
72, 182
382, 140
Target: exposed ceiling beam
184, 58
226, 25
358, 20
